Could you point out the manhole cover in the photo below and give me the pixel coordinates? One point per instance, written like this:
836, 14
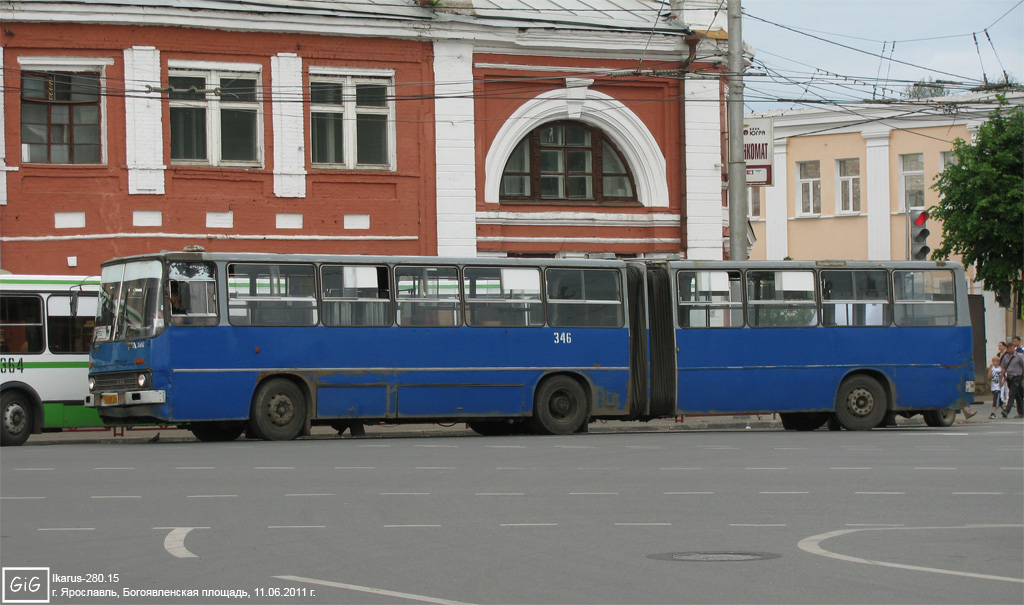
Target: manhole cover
715, 556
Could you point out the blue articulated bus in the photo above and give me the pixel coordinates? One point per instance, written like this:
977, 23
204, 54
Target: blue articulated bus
273, 344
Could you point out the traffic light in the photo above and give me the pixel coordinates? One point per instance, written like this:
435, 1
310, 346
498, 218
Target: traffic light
919, 249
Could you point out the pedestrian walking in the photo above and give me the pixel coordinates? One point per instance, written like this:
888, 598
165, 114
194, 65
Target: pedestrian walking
1013, 373
995, 375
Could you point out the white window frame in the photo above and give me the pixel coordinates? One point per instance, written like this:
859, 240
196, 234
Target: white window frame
349, 78
845, 183
948, 157
753, 192
213, 72
96, 65
805, 207
904, 175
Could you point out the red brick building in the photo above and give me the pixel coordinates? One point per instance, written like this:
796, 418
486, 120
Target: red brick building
364, 127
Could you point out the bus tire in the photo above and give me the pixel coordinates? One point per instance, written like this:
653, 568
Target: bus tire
17, 418
217, 431
803, 421
560, 407
860, 403
278, 411
939, 418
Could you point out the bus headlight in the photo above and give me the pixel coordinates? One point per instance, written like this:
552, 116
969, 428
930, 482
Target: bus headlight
142, 380
92, 383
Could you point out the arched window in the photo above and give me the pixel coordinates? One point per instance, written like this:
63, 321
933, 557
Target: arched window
569, 162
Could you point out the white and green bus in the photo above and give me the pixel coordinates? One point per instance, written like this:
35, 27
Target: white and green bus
46, 325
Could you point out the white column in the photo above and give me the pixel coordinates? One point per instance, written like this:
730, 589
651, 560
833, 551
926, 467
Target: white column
776, 207
144, 133
289, 135
703, 169
455, 149
876, 169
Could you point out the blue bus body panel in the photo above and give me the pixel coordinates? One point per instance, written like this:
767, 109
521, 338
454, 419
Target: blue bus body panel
766, 370
393, 373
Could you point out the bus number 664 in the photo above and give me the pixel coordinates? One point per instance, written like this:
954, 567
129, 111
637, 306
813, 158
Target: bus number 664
11, 365
563, 338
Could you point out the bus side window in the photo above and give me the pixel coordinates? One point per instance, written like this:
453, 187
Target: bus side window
584, 298
503, 296
192, 294
924, 297
21, 324
355, 295
427, 296
777, 299
67, 333
710, 299
855, 298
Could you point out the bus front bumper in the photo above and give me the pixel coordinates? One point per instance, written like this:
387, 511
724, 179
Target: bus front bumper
125, 398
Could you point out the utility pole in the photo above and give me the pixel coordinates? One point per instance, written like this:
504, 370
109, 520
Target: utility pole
737, 163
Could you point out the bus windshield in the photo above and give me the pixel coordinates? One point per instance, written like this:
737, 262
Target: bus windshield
129, 307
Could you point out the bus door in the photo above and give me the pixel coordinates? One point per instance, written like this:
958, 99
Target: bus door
662, 341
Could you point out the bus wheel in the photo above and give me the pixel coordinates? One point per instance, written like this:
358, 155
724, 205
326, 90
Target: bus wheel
278, 411
561, 406
217, 431
17, 414
939, 418
860, 403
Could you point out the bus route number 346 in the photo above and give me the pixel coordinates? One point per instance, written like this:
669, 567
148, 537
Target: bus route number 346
16, 365
563, 338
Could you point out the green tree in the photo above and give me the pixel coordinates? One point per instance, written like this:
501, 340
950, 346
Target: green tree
927, 88
982, 201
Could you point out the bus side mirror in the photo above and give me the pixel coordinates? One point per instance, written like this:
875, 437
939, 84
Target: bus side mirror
74, 304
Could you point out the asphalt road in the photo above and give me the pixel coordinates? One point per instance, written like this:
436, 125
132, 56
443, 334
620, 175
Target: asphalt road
904, 515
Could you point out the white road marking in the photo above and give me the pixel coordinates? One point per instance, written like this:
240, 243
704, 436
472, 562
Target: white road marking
46, 468
575, 447
67, 529
813, 546
112, 497
299, 495
880, 493
681, 468
275, 468
644, 447
598, 468
193, 468
934, 468
368, 589
766, 468
689, 493
296, 526
643, 524
435, 468
593, 493
114, 468
354, 468
374, 445
174, 543
528, 525
757, 525
516, 468
792, 448
405, 493
500, 494
875, 525
850, 468
435, 446
408, 525
213, 496
22, 497
977, 493
1011, 468
508, 447
782, 493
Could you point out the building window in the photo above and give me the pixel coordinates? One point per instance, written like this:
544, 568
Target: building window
848, 185
215, 118
754, 197
912, 180
949, 157
809, 185
567, 161
351, 122
60, 118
